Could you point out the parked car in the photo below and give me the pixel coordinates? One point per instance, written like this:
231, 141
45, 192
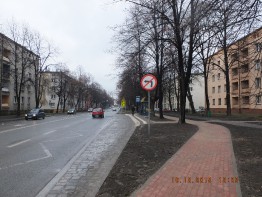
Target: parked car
71, 111
98, 112
113, 109
35, 114
90, 109
200, 110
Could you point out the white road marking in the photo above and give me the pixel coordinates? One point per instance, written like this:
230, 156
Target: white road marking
13, 145
137, 123
18, 125
144, 122
8, 130
47, 152
58, 176
49, 132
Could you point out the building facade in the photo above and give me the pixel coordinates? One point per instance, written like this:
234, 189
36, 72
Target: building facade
16, 73
62, 91
245, 72
197, 90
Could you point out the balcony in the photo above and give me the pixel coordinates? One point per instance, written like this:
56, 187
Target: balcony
245, 90
5, 106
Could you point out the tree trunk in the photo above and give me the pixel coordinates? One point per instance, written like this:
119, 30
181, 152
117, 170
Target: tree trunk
57, 107
191, 102
169, 100
206, 89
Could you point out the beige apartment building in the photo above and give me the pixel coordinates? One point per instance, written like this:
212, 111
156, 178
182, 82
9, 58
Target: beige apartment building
245, 73
59, 82
13, 57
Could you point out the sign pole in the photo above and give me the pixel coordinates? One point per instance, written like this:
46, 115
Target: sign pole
148, 83
148, 112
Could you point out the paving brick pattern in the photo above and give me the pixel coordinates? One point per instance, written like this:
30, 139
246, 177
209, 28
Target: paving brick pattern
87, 173
204, 167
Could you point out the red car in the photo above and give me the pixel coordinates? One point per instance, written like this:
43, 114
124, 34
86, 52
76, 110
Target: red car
98, 112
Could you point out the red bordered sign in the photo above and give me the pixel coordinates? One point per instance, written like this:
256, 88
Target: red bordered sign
148, 82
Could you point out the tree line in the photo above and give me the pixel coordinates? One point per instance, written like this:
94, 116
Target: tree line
174, 38
31, 56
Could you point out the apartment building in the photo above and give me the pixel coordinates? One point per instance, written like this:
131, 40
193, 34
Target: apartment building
197, 90
16, 63
59, 88
245, 72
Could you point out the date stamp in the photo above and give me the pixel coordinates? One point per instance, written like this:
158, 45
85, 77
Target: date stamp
205, 180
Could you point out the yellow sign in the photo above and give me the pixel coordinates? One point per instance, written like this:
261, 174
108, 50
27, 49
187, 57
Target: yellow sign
123, 103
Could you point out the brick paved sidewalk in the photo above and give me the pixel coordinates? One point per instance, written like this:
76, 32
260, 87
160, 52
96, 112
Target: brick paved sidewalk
205, 166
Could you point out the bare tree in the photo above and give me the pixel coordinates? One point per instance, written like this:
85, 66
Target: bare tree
45, 52
231, 20
21, 60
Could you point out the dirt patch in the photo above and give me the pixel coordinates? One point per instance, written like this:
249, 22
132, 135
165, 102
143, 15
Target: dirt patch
247, 144
143, 155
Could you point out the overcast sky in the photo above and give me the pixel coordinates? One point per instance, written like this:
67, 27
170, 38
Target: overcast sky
79, 28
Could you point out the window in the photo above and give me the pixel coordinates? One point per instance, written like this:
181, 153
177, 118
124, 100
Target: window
218, 76
6, 53
234, 71
225, 88
235, 86
219, 89
53, 96
245, 84
214, 101
15, 99
258, 47
244, 68
258, 99
245, 52
191, 89
258, 82
213, 90
245, 99
225, 101
235, 100
213, 78
234, 57
219, 101
257, 64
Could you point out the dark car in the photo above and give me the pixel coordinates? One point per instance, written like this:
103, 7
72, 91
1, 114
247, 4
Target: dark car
98, 112
35, 114
71, 111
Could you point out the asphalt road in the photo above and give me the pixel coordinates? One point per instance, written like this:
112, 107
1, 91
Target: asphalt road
32, 152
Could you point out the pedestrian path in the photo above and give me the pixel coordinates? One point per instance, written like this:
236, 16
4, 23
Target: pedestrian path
203, 167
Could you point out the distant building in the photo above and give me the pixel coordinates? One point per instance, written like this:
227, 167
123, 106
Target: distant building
197, 90
245, 57
13, 57
57, 85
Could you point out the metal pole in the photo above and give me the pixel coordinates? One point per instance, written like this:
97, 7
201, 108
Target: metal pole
148, 112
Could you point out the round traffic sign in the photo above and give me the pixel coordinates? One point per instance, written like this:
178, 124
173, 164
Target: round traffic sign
148, 82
